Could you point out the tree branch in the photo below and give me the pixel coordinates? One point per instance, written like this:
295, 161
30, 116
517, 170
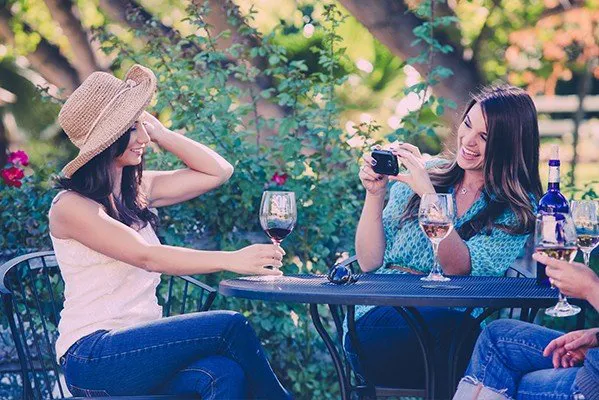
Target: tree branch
222, 12
130, 13
85, 58
46, 58
121, 10
392, 24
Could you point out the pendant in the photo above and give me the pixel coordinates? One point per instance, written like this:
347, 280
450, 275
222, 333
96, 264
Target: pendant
463, 190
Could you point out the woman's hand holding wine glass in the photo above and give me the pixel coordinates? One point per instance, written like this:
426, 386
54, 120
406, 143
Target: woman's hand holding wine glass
251, 260
278, 215
555, 236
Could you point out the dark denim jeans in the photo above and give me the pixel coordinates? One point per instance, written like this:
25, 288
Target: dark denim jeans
213, 354
508, 363
391, 354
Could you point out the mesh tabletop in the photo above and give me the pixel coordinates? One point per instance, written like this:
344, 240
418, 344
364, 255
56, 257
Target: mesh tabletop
395, 290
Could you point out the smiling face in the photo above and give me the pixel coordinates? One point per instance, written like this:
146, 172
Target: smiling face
135, 148
472, 140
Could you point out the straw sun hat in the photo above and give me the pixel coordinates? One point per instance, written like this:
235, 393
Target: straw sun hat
102, 109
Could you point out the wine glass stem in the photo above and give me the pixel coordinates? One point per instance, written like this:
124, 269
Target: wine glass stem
436, 266
562, 299
587, 257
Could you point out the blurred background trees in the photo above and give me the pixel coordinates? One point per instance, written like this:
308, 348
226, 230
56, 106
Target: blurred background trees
291, 92
548, 46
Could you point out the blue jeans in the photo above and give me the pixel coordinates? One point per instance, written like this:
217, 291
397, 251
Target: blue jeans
213, 354
508, 363
391, 353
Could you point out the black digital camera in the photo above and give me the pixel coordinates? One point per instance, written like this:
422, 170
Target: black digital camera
384, 162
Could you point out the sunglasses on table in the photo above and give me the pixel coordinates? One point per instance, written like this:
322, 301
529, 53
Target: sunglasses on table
340, 274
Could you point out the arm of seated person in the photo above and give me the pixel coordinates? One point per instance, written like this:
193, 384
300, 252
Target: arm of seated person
206, 169
76, 217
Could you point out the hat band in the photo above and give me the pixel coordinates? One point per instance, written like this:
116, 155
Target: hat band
129, 84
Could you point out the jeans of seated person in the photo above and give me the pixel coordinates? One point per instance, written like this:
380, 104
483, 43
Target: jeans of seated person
213, 354
392, 356
508, 363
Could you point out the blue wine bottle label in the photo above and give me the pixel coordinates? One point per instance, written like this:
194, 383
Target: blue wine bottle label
549, 229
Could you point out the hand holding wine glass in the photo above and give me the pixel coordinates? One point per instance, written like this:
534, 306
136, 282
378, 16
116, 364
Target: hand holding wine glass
586, 218
555, 236
436, 217
278, 214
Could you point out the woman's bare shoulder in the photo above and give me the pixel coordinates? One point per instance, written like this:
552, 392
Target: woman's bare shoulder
69, 206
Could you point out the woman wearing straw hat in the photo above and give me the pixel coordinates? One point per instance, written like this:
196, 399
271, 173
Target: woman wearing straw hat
112, 339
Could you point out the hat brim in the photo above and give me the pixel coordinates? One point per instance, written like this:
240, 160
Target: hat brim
122, 115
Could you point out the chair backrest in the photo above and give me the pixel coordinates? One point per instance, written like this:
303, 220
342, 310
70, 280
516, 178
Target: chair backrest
32, 296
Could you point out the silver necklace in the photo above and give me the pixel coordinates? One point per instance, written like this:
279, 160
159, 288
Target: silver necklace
463, 190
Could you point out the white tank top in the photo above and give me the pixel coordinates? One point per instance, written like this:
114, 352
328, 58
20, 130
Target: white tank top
101, 292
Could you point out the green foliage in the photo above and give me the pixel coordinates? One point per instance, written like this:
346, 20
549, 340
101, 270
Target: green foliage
24, 211
425, 118
214, 100
213, 96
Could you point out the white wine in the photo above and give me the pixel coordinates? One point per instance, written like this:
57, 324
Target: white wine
564, 253
587, 242
436, 231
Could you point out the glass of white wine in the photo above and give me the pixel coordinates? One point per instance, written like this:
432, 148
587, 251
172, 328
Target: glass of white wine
586, 218
436, 217
555, 236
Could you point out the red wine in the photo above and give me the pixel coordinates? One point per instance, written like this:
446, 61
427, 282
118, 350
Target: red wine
278, 234
436, 230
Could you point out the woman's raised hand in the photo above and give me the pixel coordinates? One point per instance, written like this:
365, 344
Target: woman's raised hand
152, 125
417, 177
251, 260
375, 184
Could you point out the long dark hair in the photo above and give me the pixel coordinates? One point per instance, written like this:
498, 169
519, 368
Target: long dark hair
511, 167
95, 181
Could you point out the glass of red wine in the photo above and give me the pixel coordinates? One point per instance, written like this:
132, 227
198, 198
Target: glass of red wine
278, 215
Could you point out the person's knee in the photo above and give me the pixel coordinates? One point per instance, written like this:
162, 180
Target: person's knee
502, 328
230, 318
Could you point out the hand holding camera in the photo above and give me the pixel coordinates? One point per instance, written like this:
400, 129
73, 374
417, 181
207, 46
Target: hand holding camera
401, 162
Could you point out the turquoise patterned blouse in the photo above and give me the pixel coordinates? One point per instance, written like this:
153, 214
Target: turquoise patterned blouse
408, 246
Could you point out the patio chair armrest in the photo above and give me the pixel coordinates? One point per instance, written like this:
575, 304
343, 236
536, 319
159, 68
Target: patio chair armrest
4, 268
209, 289
519, 272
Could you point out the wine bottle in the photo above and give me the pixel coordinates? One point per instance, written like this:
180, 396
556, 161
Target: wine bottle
552, 201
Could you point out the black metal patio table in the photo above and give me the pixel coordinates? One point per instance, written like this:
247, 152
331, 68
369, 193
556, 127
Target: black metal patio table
402, 291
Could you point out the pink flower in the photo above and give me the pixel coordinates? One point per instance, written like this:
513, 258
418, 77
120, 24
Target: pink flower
18, 157
12, 176
279, 179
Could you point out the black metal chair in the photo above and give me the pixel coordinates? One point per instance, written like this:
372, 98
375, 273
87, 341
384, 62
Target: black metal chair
32, 296
364, 389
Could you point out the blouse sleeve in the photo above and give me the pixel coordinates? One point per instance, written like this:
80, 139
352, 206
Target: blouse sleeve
492, 255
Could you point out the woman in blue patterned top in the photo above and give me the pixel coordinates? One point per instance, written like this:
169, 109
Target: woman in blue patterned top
495, 180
